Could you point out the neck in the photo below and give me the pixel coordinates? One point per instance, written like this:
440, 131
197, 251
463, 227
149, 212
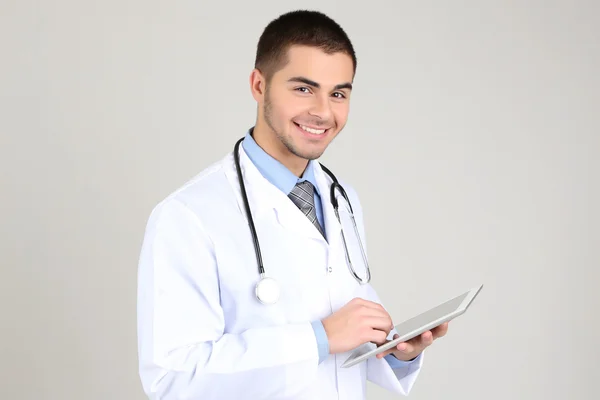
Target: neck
267, 140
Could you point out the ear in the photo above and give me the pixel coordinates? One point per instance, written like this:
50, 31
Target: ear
257, 85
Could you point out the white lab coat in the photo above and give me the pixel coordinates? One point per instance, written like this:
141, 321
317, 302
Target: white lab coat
202, 332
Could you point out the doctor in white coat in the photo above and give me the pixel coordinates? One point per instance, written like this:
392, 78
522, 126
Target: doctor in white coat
203, 333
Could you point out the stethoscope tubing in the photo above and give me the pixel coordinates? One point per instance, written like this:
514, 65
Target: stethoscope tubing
335, 185
261, 268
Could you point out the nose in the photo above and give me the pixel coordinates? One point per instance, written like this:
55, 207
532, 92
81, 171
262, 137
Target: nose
321, 108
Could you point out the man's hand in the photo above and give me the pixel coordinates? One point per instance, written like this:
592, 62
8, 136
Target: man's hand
358, 322
410, 349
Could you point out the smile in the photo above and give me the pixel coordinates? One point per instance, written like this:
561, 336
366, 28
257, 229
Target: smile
311, 130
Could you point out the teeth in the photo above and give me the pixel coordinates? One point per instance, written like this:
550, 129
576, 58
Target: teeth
314, 131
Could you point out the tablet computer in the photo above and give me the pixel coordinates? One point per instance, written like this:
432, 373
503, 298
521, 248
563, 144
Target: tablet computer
415, 326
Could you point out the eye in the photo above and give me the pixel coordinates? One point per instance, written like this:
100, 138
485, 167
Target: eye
339, 95
303, 89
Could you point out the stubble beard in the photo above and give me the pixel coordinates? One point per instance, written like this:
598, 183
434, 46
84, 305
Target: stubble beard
285, 140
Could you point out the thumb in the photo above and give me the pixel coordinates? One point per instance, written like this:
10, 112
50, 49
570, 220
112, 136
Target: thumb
388, 351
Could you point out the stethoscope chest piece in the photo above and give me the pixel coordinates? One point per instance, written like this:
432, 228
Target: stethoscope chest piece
267, 290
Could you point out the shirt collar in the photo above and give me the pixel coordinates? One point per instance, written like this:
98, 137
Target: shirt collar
274, 171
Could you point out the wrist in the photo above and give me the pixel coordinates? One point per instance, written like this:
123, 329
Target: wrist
327, 334
322, 340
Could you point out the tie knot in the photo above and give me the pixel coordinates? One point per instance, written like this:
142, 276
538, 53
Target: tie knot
305, 186
303, 195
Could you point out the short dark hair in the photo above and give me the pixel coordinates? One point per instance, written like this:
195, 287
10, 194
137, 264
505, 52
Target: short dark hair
300, 27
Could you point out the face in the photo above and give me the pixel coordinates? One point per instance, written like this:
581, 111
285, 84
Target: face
306, 103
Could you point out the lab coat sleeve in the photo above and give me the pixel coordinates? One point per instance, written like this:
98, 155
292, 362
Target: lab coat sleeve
397, 379
184, 352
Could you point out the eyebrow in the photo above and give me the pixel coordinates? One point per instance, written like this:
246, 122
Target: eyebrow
309, 82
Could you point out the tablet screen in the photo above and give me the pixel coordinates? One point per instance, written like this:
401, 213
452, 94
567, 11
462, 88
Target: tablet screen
430, 315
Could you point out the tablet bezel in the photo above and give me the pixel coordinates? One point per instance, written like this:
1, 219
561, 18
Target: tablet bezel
357, 357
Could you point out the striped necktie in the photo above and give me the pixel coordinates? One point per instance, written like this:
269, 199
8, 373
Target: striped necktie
303, 197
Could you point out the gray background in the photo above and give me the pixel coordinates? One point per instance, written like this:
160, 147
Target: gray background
472, 140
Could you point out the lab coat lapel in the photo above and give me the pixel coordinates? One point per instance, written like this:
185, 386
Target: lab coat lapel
293, 219
332, 225
266, 201
262, 196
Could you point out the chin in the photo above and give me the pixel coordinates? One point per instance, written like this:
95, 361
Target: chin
309, 151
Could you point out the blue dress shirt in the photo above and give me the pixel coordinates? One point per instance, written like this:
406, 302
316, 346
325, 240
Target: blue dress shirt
280, 176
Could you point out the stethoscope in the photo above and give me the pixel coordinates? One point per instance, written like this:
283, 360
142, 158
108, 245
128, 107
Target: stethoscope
267, 289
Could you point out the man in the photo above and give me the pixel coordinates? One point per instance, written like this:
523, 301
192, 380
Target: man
203, 334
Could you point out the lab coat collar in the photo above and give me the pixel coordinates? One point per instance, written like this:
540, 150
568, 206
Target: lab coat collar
265, 199
273, 170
